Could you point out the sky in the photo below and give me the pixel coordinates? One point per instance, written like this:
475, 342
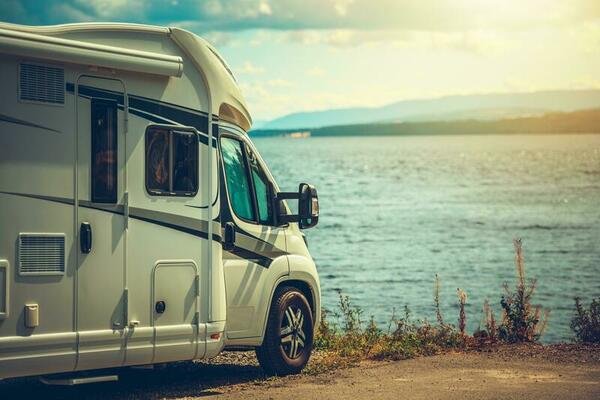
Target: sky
303, 55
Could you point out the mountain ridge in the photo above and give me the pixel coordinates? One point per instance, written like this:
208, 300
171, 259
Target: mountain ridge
442, 107
580, 121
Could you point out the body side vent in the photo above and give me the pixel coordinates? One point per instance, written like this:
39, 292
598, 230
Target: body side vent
41, 254
41, 83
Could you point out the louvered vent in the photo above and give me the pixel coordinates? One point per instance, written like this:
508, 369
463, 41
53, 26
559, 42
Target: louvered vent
41, 83
41, 254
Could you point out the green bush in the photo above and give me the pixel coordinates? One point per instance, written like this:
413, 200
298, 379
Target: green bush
586, 322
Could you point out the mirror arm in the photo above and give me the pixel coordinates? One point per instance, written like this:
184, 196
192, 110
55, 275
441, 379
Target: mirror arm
288, 195
283, 219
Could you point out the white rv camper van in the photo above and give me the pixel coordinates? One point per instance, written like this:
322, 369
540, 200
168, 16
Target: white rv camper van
138, 223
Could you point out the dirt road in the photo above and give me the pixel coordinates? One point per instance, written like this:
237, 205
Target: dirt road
451, 376
556, 372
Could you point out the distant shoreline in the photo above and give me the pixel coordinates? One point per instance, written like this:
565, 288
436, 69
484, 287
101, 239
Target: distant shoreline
576, 122
288, 136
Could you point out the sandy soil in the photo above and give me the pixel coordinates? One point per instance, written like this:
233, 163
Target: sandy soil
525, 372
450, 376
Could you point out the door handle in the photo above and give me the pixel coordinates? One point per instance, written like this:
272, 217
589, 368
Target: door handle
85, 237
229, 236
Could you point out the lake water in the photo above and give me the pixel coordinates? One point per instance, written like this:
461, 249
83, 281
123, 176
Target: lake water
397, 210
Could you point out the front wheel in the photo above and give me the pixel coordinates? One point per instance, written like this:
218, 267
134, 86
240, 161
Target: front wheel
288, 338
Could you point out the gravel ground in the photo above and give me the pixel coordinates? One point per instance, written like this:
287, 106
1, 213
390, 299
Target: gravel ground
505, 372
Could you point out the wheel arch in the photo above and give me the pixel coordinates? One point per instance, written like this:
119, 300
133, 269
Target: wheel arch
304, 288
303, 276
310, 291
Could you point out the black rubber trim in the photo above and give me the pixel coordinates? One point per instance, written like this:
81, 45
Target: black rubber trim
259, 259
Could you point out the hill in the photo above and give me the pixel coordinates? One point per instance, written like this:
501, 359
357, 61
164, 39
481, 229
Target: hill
445, 108
584, 121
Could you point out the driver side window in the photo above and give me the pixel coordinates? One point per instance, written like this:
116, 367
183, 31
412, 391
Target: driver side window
261, 189
236, 177
248, 187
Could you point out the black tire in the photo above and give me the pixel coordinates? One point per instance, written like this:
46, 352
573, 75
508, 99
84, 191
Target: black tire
282, 352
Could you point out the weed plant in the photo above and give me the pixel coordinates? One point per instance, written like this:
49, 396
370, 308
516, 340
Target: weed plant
521, 320
586, 322
344, 338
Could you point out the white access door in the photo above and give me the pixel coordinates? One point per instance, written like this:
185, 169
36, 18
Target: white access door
101, 297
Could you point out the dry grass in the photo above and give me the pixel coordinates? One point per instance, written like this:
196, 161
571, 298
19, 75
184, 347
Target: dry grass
348, 340
462, 316
344, 338
521, 320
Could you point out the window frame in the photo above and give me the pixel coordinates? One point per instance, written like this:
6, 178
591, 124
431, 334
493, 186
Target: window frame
171, 129
271, 187
113, 107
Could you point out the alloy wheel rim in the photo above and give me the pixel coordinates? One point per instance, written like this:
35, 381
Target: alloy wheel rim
293, 338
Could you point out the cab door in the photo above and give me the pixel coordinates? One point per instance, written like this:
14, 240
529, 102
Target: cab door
258, 255
101, 234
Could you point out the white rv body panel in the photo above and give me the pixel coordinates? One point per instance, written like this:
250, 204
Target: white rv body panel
118, 273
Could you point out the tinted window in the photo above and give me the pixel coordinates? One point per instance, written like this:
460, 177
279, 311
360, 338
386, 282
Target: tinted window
104, 151
171, 162
185, 162
236, 178
157, 160
261, 189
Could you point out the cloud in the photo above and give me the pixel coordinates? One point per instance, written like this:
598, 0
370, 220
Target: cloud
265, 101
586, 82
475, 26
279, 83
269, 102
107, 8
315, 72
587, 37
264, 8
215, 38
477, 41
250, 69
235, 15
341, 6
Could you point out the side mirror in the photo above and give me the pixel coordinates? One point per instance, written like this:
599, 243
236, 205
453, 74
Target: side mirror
308, 206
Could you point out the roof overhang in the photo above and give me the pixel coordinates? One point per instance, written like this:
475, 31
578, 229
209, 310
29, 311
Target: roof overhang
27, 44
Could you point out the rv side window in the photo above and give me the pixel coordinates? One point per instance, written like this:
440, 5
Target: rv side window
171, 161
185, 162
104, 151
